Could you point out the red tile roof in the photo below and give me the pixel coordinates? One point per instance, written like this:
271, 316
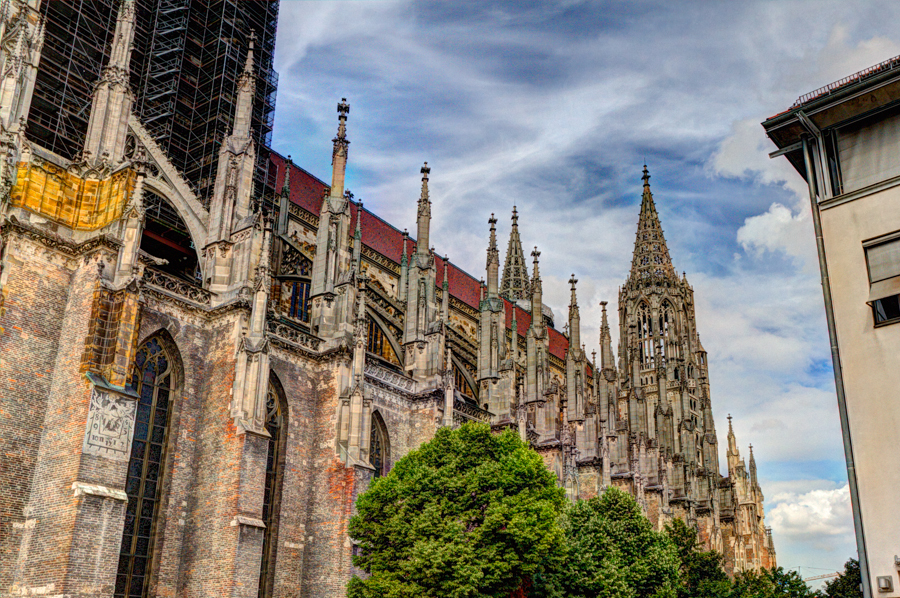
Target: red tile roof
378, 235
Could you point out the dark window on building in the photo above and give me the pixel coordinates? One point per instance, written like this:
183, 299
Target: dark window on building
152, 380
460, 382
379, 451
883, 266
272, 492
887, 309
300, 300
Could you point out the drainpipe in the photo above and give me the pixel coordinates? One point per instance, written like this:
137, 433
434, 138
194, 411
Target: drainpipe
838, 375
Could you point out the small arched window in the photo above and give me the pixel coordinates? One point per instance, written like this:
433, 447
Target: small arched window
380, 447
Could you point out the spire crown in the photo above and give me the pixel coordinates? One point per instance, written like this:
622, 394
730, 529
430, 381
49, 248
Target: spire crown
516, 283
651, 258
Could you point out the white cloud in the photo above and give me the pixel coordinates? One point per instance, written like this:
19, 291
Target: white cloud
781, 230
818, 516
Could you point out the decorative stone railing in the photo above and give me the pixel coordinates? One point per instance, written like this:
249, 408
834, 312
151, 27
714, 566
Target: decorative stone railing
467, 412
390, 378
294, 336
176, 286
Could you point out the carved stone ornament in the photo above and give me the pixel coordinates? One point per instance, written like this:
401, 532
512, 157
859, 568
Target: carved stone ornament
110, 426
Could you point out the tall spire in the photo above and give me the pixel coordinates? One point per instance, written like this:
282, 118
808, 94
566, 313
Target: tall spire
515, 271
752, 466
246, 89
574, 318
120, 53
607, 363
493, 260
537, 290
423, 217
357, 236
112, 98
651, 255
339, 153
284, 200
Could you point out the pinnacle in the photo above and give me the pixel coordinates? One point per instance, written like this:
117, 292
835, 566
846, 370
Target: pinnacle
516, 283
651, 254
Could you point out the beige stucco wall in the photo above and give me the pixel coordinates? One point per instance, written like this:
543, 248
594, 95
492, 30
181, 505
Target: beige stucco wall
871, 363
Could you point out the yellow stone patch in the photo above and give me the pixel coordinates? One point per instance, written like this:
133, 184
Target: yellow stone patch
66, 198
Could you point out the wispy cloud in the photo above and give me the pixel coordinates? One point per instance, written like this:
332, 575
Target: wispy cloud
555, 106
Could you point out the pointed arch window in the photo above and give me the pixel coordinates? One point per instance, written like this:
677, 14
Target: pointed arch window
668, 335
380, 448
275, 425
645, 336
153, 379
294, 271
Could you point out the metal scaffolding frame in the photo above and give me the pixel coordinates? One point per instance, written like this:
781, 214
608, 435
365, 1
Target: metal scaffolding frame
186, 61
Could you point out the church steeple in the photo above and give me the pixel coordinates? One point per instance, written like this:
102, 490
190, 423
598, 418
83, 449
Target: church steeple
515, 271
651, 255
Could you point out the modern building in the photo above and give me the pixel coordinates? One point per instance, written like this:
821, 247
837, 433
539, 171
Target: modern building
185, 62
193, 394
844, 140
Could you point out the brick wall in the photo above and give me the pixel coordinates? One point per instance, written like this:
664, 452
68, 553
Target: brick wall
30, 322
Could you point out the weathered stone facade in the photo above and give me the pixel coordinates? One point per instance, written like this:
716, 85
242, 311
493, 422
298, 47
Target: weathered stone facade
191, 400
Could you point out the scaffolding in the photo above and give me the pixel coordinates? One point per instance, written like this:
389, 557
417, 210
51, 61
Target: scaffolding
187, 58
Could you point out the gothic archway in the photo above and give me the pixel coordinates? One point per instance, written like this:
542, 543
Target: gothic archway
157, 379
380, 446
276, 426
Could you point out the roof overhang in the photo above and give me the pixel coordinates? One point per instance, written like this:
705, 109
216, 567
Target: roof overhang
843, 106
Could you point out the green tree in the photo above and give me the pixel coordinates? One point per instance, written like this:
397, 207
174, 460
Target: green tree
848, 585
702, 574
468, 514
771, 583
613, 551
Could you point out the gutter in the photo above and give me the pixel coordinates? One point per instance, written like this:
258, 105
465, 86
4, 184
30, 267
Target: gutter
838, 376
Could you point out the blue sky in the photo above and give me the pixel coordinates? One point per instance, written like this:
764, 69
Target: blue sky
554, 107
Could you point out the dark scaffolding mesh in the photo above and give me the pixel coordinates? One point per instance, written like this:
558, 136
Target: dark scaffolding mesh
186, 61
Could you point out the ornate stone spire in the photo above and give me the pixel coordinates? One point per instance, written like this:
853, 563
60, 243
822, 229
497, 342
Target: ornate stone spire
246, 89
357, 236
284, 200
574, 318
752, 467
339, 153
423, 217
112, 98
515, 272
493, 260
404, 269
537, 293
607, 362
651, 255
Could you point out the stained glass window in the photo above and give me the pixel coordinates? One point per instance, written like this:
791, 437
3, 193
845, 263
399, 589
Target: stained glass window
379, 452
152, 380
300, 300
272, 493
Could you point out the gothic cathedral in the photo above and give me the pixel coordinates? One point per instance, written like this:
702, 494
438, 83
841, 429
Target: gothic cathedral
194, 390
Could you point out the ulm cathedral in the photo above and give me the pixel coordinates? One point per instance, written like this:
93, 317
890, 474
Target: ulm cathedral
194, 389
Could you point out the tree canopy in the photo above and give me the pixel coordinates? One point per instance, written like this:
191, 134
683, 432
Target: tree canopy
612, 551
848, 585
468, 514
